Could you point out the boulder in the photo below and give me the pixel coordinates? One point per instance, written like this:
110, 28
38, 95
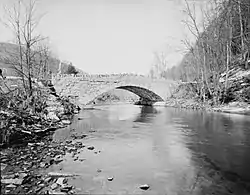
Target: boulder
144, 187
53, 186
52, 116
61, 181
66, 122
91, 148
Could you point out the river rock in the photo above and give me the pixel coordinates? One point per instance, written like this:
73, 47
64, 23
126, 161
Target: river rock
76, 158
144, 187
58, 159
12, 181
48, 179
91, 148
52, 116
61, 181
10, 186
53, 186
66, 188
31, 144
66, 122
3, 166
10, 176
78, 143
78, 136
42, 164
4, 160
41, 185
68, 141
40, 144
76, 111
22, 175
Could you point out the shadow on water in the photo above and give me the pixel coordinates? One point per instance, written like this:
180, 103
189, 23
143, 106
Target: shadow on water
147, 114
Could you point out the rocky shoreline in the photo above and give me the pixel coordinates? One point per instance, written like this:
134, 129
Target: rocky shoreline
232, 107
24, 125
30, 149
23, 168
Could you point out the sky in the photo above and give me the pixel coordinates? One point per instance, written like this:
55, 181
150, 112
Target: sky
111, 36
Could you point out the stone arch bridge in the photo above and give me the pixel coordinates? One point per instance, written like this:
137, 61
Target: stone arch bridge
86, 88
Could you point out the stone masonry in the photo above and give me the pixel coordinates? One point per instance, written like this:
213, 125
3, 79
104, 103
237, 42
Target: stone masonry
87, 88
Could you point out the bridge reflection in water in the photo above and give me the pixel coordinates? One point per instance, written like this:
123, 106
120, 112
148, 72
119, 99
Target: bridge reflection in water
172, 150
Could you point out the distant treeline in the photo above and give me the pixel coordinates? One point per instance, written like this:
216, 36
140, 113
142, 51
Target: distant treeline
50, 64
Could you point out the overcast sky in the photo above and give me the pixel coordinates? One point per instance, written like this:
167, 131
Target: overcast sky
111, 36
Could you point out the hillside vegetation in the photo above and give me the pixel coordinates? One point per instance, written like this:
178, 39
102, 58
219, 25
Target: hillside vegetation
218, 62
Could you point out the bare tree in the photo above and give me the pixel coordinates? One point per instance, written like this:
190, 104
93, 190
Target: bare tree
26, 60
224, 35
201, 45
160, 63
42, 61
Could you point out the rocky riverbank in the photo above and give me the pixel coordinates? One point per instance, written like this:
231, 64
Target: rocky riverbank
235, 107
26, 147
21, 124
23, 167
236, 98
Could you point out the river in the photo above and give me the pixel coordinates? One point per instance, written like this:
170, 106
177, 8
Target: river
174, 151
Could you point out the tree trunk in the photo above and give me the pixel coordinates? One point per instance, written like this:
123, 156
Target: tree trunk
241, 29
205, 70
229, 46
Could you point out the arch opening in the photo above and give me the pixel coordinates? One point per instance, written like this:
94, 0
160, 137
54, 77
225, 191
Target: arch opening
146, 96
143, 93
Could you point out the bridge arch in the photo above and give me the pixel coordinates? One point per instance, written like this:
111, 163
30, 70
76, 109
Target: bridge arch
86, 89
144, 93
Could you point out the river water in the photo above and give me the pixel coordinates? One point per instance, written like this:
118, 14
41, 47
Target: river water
174, 151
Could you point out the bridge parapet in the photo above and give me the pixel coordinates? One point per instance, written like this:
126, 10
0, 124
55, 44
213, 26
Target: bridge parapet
93, 76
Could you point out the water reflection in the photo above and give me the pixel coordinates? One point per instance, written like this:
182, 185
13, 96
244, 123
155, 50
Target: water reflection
167, 149
125, 112
174, 159
147, 114
223, 138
